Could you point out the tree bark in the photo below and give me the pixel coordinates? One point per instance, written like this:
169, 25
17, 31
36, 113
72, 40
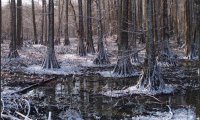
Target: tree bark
19, 24
13, 45
34, 23
102, 58
89, 40
151, 78
45, 22
42, 23
50, 61
1, 23
81, 47
123, 67
66, 42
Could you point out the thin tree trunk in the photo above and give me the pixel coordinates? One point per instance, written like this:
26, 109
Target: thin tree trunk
13, 45
66, 42
34, 23
102, 58
81, 47
45, 22
42, 23
89, 40
50, 62
1, 23
19, 24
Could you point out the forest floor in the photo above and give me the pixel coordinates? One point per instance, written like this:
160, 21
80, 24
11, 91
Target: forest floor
26, 70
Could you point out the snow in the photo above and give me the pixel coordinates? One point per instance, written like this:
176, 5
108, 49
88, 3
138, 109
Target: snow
176, 114
134, 90
111, 74
64, 70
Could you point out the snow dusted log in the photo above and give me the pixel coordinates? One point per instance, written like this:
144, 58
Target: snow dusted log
50, 61
102, 58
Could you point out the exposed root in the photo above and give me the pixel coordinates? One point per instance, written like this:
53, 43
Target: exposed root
153, 82
50, 62
124, 67
102, 58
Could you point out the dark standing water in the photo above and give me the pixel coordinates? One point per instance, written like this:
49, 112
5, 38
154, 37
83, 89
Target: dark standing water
81, 95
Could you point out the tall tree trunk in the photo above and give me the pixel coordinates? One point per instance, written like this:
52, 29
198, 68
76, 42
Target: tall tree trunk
89, 40
66, 42
13, 45
133, 42
190, 50
50, 61
166, 57
60, 10
102, 58
151, 79
1, 23
81, 47
123, 67
42, 23
197, 2
34, 23
19, 24
45, 22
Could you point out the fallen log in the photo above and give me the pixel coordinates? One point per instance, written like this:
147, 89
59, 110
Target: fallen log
26, 89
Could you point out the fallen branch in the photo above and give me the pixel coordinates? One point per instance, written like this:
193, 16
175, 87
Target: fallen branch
26, 89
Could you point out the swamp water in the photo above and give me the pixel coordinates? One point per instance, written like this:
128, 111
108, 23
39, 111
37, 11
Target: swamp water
80, 97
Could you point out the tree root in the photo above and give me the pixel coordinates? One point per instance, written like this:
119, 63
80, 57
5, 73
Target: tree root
124, 68
50, 62
102, 58
153, 82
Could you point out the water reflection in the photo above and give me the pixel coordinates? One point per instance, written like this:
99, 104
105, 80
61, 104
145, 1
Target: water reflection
81, 94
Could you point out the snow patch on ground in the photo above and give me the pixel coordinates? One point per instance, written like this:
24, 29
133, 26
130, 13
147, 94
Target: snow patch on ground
134, 90
111, 74
64, 70
176, 114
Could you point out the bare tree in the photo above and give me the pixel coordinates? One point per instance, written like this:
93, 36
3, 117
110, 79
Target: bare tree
80, 32
151, 78
123, 67
1, 23
34, 23
89, 40
50, 61
13, 45
60, 14
66, 42
42, 23
166, 55
45, 22
19, 24
102, 58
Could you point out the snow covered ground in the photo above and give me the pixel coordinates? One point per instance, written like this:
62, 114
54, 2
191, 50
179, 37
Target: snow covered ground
174, 114
134, 90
